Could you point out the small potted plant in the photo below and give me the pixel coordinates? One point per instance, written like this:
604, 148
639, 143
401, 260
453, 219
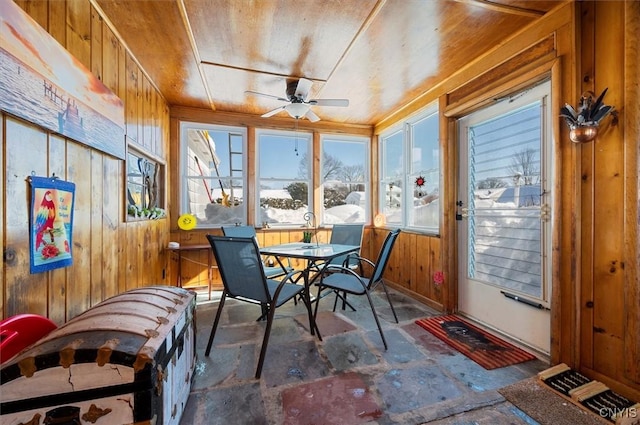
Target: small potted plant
584, 122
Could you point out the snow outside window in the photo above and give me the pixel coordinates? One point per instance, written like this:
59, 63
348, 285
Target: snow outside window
345, 179
284, 178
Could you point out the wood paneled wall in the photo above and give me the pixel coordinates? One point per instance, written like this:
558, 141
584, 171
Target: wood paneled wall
110, 255
609, 297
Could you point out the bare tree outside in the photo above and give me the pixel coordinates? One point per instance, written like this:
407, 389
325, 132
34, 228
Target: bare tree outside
525, 164
331, 167
492, 183
353, 175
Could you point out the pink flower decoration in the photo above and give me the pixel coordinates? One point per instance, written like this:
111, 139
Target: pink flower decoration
438, 278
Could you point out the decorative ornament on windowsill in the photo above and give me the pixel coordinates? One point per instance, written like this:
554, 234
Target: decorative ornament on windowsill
584, 122
310, 219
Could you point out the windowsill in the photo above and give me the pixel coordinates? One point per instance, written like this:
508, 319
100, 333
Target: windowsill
132, 218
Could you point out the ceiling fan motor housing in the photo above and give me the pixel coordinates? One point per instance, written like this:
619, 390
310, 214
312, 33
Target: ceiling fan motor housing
292, 85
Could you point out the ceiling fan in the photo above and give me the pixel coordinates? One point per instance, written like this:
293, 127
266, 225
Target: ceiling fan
298, 105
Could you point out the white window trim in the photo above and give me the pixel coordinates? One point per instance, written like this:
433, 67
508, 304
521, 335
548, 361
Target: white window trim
183, 195
367, 171
303, 137
405, 127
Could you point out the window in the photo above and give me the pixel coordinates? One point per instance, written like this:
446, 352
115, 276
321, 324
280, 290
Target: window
213, 177
410, 173
144, 195
344, 179
284, 177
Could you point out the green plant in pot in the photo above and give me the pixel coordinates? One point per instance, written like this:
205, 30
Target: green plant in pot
584, 122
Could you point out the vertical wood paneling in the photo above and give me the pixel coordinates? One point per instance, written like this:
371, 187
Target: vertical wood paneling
632, 201
112, 192
153, 123
97, 203
420, 282
435, 254
145, 125
122, 77
57, 278
132, 251
131, 99
58, 20
123, 264
37, 10
79, 31
608, 196
110, 59
109, 256
448, 292
79, 274
96, 43
586, 293
26, 153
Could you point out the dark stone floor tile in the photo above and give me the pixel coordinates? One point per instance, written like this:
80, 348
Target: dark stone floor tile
400, 349
415, 387
347, 351
293, 363
240, 404
328, 322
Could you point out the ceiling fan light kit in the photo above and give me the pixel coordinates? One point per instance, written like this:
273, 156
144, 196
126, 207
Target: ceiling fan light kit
299, 106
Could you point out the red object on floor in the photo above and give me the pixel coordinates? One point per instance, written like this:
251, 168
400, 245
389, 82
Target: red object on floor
20, 331
487, 350
342, 399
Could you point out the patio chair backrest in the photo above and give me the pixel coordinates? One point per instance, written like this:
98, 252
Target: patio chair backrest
239, 231
346, 234
383, 257
240, 267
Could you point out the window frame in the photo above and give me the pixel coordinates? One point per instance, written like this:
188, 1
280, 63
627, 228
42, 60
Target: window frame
406, 129
300, 137
184, 178
366, 142
141, 212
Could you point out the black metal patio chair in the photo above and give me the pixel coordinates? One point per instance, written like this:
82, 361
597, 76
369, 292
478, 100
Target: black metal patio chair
344, 280
250, 232
244, 279
346, 234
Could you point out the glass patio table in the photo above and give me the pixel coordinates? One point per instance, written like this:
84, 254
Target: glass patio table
317, 255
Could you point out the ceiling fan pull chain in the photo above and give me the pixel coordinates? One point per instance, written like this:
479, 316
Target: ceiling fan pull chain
295, 149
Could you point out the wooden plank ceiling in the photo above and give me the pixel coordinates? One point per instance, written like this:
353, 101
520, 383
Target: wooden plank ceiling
379, 54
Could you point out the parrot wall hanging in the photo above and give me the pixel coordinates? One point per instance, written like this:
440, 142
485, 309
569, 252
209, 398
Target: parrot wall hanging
50, 223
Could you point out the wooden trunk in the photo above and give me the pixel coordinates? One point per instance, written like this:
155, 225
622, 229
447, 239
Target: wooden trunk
127, 360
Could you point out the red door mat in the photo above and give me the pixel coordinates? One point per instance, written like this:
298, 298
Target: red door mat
483, 348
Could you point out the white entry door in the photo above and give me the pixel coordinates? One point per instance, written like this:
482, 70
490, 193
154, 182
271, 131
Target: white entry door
503, 212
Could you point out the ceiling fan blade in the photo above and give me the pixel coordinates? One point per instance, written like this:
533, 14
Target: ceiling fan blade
302, 89
311, 116
270, 96
273, 112
329, 102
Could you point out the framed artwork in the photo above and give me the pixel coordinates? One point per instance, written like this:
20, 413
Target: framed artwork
44, 84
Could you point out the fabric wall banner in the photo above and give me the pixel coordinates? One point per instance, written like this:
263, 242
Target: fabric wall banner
51, 223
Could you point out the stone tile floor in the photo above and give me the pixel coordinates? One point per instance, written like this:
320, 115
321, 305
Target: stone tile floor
348, 377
